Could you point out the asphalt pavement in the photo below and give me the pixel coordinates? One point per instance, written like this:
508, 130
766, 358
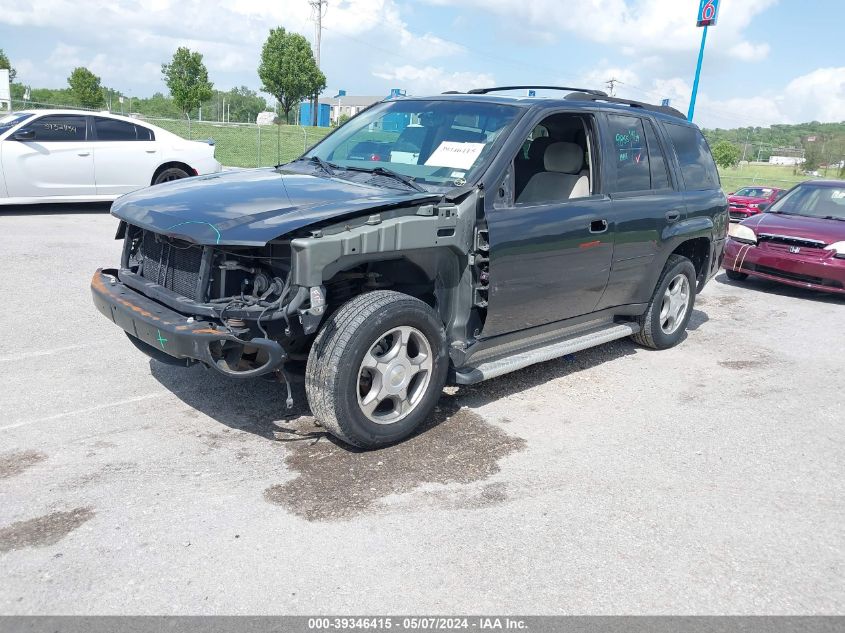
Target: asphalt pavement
707, 479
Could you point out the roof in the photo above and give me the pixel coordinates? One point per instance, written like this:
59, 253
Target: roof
106, 113
556, 102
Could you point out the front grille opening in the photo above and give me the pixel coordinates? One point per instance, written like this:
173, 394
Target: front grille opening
172, 264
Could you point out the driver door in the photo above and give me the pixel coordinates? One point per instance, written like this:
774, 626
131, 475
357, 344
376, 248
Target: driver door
57, 160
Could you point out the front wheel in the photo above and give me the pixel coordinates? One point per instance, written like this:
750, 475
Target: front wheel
734, 275
377, 368
669, 311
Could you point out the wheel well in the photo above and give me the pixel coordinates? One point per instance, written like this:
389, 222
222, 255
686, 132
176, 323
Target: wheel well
697, 251
183, 166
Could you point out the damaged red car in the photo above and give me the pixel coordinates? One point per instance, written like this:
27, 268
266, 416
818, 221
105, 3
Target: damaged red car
750, 201
799, 241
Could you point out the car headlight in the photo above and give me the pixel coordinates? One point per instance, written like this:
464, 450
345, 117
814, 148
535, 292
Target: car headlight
838, 249
742, 234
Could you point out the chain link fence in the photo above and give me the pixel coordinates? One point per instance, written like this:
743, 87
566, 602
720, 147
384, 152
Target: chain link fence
236, 144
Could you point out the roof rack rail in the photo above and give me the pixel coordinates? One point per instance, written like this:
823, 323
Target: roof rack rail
591, 96
484, 91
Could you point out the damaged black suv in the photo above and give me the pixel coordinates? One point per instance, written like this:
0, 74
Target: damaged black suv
453, 238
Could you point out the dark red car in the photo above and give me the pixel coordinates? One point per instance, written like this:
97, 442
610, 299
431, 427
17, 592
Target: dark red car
750, 201
799, 241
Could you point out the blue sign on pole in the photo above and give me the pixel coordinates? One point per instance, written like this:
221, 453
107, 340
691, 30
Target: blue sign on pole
708, 13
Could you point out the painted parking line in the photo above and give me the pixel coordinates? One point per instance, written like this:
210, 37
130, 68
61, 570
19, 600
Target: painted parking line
98, 407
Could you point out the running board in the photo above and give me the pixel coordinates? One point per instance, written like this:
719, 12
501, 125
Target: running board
520, 360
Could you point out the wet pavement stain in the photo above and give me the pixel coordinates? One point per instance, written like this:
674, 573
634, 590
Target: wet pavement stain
336, 482
44, 530
740, 364
15, 463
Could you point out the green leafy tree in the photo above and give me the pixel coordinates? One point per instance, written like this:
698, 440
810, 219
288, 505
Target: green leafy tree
5, 63
242, 105
726, 154
187, 79
288, 70
343, 118
85, 88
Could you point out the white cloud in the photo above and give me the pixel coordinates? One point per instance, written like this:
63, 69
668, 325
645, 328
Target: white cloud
636, 27
430, 80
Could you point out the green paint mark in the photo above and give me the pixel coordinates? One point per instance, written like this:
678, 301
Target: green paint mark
161, 339
214, 228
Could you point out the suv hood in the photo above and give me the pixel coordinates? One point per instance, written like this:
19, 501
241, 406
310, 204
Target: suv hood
827, 231
252, 207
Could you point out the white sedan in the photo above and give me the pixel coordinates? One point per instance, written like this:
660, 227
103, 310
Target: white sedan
73, 156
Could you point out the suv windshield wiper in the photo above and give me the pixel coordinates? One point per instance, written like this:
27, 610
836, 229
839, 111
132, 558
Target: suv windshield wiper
381, 171
327, 167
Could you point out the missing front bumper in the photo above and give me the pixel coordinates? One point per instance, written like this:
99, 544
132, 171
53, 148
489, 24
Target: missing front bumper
179, 336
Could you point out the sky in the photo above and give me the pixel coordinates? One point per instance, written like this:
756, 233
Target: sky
767, 61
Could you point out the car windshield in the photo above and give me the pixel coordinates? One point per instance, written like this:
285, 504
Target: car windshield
437, 144
814, 201
754, 192
11, 120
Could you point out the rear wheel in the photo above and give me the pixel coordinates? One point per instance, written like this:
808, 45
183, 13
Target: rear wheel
669, 311
170, 174
734, 275
377, 368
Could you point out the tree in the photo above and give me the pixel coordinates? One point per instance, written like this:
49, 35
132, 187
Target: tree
288, 70
5, 63
726, 154
187, 78
242, 105
85, 88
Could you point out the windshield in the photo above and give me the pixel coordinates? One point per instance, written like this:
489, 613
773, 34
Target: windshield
814, 201
439, 144
754, 192
11, 120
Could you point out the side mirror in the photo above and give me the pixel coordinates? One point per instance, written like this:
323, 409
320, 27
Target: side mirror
24, 135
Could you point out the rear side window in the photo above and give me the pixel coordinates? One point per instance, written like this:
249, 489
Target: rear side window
697, 164
57, 127
113, 130
144, 133
631, 153
659, 171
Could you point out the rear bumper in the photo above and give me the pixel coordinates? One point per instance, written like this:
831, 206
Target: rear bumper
814, 271
179, 336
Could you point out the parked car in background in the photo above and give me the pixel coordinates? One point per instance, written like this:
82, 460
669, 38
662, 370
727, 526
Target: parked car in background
799, 241
750, 201
73, 156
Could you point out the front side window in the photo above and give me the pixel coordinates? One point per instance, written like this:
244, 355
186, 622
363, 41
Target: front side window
633, 171
439, 144
697, 165
114, 130
59, 127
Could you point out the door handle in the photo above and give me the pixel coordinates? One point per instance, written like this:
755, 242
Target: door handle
83, 153
151, 151
673, 216
598, 226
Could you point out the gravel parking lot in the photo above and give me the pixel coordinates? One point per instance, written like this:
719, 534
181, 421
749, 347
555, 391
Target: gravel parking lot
707, 479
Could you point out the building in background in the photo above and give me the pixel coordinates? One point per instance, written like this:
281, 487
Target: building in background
343, 104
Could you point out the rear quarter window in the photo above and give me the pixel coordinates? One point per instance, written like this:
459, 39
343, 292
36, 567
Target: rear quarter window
697, 165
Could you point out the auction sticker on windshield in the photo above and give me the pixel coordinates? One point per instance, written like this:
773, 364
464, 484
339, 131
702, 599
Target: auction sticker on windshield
455, 155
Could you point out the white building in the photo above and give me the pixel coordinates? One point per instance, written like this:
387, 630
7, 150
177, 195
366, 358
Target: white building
789, 161
350, 105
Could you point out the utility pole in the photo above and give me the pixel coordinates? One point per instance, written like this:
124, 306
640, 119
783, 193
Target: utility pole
318, 11
611, 85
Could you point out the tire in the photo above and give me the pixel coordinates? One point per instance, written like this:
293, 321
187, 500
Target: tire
659, 331
733, 275
170, 174
343, 390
